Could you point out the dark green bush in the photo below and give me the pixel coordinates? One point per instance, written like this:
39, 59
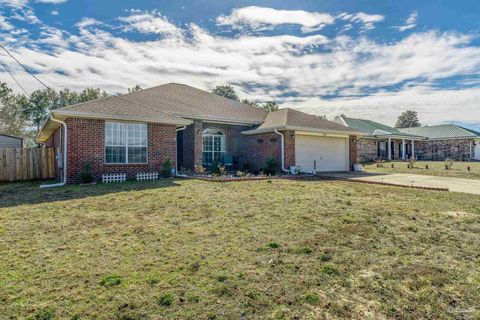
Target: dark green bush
86, 175
166, 170
330, 270
44, 314
271, 167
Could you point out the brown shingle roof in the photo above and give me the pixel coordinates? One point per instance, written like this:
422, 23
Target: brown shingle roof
289, 119
176, 100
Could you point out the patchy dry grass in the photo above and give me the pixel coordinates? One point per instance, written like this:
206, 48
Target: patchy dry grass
276, 249
435, 168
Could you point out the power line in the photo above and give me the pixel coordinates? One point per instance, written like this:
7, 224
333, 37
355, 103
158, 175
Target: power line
25, 68
13, 77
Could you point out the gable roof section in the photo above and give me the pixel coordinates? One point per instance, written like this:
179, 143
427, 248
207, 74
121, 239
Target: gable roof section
289, 119
192, 103
374, 129
444, 131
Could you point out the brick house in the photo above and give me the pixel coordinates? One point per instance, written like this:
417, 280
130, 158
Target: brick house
139, 131
447, 141
424, 143
381, 141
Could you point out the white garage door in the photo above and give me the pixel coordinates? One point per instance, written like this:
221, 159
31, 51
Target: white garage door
477, 150
329, 153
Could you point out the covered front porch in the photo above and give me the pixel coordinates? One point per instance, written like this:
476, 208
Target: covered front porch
396, 148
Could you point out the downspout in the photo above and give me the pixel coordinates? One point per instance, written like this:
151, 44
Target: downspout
64, 157
176, 152
282, 142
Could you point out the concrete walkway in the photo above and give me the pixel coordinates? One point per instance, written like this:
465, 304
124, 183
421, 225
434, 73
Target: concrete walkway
452, 184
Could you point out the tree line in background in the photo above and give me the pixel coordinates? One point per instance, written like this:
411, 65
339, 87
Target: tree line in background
227, 91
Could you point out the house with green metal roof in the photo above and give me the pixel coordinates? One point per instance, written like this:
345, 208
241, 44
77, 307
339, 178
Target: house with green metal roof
381, 141
447, 141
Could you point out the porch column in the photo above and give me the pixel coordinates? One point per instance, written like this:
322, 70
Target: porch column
403, 149
413, 149
389, 149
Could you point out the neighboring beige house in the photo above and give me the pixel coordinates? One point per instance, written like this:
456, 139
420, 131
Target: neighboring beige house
381, 141
447, 141
8, 141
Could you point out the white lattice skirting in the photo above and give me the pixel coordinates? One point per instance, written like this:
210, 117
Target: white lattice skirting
114, 177
147, 176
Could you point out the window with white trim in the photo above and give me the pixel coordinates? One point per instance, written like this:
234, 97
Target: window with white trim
213, 146
125, 142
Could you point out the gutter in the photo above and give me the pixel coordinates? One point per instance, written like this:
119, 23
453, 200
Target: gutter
282, 138
176, 152
64, 157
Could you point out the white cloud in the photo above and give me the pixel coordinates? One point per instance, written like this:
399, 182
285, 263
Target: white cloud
261, 17
368, 20
354, 71
54, 13
14, 3
51, 1
87, 22
410, 23
4, 24
150, 22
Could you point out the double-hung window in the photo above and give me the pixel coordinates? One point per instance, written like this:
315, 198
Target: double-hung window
125, 142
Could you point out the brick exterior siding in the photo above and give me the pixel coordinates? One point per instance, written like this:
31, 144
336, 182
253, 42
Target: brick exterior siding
455, 149
86, 143
352, 151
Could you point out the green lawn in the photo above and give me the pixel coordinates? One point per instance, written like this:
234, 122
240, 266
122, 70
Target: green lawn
280, 249
435, 168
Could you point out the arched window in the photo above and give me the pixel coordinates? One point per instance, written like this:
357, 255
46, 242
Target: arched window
213, 146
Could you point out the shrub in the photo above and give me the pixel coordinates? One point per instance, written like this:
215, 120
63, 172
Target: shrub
241, 173
312, 298
86, 175
215, 169
273, 245
166, 170
112, 280
271, 167
165, 300
222, 278
200, 169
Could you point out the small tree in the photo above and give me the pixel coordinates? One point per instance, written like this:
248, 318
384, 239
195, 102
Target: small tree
134, 88
250, 102
270, 106
408, 119
226, 91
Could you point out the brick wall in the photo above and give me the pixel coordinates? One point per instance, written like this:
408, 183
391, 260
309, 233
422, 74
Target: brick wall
86, 143
352, 151
257, 149
458, 149
366, 150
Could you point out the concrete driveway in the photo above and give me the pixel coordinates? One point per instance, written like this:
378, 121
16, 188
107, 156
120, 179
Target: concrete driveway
452, 184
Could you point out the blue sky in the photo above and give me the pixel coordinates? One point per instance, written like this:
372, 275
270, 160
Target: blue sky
367, 59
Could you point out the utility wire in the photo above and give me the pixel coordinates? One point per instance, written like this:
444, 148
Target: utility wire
25, 68
13, 77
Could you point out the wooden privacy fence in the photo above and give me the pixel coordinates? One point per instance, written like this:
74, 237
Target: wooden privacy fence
26, 164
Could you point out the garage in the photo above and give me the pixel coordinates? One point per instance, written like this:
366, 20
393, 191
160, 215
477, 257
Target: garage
322, 153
